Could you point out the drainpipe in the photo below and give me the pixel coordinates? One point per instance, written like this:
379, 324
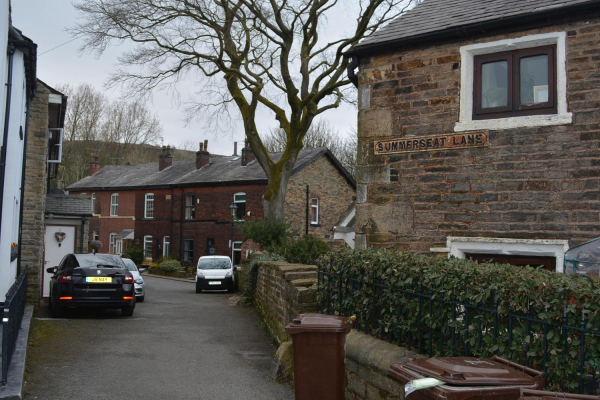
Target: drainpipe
181, 210
11, 53
25, 136
307, 208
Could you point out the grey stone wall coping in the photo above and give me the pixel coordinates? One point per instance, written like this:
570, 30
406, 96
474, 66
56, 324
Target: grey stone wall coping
16, 371
376, 354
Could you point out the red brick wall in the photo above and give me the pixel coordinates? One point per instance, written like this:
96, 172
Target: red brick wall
533, 183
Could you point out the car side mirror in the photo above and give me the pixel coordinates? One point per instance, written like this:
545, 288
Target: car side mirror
52, 270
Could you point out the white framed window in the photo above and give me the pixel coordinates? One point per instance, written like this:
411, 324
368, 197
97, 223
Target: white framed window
240, 201
314, 211
462, 247
148, 246
190, 206
118, 246
468, 61
149, 205
188, 250
114, 204
111, 242
95, 235
166, 246
94, 203
237, 253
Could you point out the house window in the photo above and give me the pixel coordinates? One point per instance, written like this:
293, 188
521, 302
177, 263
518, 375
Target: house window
149, 205
114, 204
190, 206
188, 250
240, 201
314, 211
148, 246
95, 235
166, 246
111, 240
94, 203
515, 83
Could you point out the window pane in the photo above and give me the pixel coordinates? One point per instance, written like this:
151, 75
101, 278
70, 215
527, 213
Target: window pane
240, 197
534, 79
494, 84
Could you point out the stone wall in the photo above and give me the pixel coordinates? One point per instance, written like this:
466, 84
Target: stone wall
330, 186
32, 252
367, 363
283, 291
530, 183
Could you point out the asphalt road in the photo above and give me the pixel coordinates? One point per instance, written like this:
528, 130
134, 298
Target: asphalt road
177, 345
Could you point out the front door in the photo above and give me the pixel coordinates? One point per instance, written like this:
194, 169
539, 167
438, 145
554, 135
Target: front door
59, 241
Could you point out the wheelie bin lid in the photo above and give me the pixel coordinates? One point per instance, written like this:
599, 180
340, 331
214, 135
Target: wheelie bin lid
471, 371
319, 323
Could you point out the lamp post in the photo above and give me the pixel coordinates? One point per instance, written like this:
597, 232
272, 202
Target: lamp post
233, 209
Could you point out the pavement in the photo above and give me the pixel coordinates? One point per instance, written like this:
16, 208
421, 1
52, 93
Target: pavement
177, 345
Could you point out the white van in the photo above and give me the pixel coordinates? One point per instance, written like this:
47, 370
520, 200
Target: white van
214, 273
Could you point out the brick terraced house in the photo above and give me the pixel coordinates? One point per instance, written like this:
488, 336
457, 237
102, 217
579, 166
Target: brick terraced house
479, 130
183, 207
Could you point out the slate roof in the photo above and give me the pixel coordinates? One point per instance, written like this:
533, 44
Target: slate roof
222, 170
444, 15
68, 205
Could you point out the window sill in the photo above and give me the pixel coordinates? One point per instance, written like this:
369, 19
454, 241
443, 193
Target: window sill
530, 121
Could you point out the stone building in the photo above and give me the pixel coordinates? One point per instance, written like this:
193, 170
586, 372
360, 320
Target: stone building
182, 208
478, 130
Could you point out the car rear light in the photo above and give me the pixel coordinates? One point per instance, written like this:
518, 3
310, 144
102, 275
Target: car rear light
128, 278
66, 278
66, 298
127, 298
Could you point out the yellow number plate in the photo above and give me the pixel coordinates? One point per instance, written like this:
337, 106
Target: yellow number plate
98, 279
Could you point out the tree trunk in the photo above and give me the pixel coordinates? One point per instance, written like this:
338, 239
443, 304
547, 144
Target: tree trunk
274, 196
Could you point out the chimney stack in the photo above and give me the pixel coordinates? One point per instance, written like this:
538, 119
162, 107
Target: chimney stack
247, 154
94, 165
202, 156
165, 160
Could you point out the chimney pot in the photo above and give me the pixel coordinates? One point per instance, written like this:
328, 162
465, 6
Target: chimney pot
202, 156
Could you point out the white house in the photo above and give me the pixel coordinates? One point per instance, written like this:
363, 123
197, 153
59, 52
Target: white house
17, 72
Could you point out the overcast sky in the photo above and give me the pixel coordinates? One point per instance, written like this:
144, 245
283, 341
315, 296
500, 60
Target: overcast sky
45, 22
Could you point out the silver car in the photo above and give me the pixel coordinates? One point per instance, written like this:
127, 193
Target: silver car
140, 291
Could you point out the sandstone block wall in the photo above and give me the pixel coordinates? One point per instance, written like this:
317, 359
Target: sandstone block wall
283, 291
530, 183
32, 250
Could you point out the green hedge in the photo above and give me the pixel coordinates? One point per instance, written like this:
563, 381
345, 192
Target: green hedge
390, 310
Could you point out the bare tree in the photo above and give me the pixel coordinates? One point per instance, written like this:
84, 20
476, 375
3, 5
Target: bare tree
267, 54
320, 134
95, 125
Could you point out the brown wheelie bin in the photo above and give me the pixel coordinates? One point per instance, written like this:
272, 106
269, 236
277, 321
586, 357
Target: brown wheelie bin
318, 342
528, 394
468, 378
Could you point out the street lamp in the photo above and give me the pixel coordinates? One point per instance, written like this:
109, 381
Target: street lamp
233, 208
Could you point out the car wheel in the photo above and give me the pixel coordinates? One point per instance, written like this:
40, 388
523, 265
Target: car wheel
230, 290
127, 311
55, 310
140, 299
198, 290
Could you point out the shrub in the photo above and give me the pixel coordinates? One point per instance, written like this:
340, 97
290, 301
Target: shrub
154, 265
410, 298
136, 254
305, 250
170, 266
267, 233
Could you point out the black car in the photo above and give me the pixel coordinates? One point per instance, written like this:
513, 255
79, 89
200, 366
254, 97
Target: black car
91, 280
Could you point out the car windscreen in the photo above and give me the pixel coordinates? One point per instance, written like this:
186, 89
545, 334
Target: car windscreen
215, 263
129, 264
99, 260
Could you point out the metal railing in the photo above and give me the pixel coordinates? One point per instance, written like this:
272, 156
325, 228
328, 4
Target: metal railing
439, 322
12, 315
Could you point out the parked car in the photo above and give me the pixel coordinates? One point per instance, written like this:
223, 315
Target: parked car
140, 291
91, 280
215, 273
